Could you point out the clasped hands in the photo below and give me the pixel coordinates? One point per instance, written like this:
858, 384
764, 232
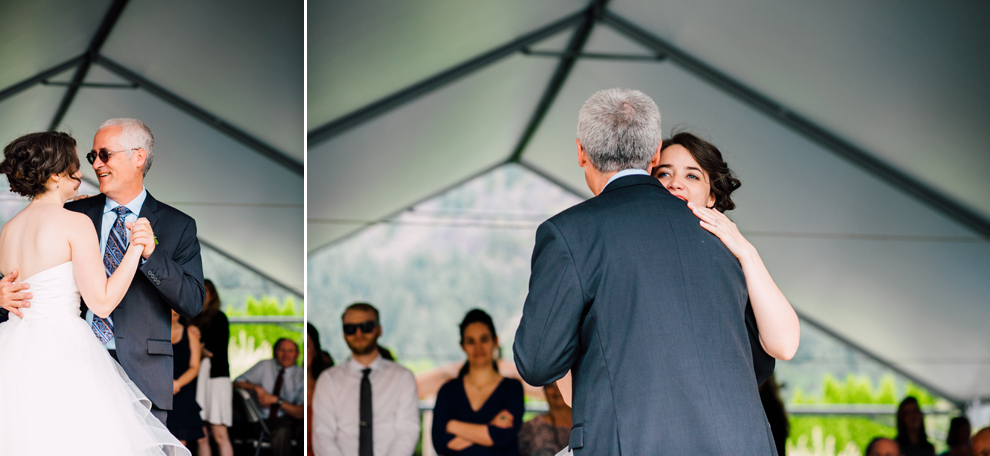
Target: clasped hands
13, 296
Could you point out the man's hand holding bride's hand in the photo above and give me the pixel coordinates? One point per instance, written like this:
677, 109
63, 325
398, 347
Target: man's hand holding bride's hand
12, 297
725, 229
143, 235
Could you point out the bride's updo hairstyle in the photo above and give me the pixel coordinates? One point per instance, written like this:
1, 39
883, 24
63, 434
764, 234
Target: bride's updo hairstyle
29, 161
723, 182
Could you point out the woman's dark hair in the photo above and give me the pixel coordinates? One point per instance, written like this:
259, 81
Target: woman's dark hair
320, 363
903, 434
723, 182
477, 316
29, 161
210, 307
955, 426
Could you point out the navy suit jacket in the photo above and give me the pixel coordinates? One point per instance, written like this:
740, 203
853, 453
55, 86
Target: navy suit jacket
650, 312
171, 278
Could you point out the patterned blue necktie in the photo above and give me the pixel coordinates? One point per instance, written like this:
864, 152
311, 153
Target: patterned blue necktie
116, 246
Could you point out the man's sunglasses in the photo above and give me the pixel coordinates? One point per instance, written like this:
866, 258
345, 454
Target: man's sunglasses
366, 327
103, 154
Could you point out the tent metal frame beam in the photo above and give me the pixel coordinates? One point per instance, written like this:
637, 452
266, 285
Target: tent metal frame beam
40, 77
594, 55
417, 90
805, 127
567, 61
109, 20
92, 85
206, 117
247, 266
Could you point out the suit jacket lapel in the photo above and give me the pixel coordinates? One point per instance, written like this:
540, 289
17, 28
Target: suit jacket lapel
149, 209
95, 211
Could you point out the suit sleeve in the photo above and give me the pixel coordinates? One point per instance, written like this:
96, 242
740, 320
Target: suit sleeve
546, 343
504, 438
763, 364
179, 278
441, 416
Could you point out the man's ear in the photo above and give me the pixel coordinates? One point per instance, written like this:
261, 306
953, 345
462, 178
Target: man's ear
140, 156
582, 156
655, 161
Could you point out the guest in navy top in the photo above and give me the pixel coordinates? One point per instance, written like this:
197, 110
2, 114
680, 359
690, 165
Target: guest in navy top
479, 413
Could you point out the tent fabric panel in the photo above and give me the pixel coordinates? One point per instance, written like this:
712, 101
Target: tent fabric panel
861, 70
28, 112
36, 35
269, 239
918, 305
242, 62
425, 146
401, 43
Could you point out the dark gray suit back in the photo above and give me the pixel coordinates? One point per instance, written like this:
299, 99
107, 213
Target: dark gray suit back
651, 316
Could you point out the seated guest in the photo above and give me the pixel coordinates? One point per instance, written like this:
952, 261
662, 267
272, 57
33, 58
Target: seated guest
548, 433
958, 437
981, 442
911, 436
367, 405
480, 411
882, 446
278, 384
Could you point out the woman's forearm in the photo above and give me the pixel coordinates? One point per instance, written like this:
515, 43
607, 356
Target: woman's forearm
780, 331
188, 376
475, 433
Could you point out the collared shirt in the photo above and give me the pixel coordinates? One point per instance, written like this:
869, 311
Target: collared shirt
337, 409
265, 373
109, 218
624, 173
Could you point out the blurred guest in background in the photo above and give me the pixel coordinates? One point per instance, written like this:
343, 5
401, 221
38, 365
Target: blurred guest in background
958, 437
882, 446
480, 412
776, 414
184, 421
548, 433
981, 442
911, 436
278, 384
367, 405
213, 388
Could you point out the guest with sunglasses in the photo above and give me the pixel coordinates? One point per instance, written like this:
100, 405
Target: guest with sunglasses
278, 385
367, 405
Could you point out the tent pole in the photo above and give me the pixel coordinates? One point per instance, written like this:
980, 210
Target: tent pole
30, 82
217, 123
567, 61
801, 125
415, 91
109, 20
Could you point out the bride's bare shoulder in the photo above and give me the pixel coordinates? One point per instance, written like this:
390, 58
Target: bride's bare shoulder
76, 222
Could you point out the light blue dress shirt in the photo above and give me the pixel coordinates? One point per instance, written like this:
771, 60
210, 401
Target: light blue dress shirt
624, 173
109, 217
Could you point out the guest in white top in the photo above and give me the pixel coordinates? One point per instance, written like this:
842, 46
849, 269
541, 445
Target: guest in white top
278, 384
367, 405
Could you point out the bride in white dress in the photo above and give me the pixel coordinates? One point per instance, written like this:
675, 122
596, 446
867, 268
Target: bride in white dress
60, 391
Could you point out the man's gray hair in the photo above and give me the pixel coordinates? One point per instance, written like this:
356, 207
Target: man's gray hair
134, 134
619, 129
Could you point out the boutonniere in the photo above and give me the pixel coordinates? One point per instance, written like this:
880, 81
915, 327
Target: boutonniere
156, 240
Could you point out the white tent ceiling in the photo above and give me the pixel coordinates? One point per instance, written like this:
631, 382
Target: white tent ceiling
219, 83
858, 130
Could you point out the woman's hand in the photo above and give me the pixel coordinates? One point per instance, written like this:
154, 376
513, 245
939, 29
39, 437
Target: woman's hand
720, 225
503, 420
175, 387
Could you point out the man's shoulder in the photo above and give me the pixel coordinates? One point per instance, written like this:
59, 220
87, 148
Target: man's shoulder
86, 203
169, 211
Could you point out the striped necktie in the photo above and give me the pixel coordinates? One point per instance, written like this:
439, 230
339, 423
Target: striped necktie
116, 246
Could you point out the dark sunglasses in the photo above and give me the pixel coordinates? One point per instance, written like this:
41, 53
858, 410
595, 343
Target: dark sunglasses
104, 154
366, 327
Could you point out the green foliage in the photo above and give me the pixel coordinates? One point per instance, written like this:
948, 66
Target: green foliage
858, 389
269, 333
267, 306
919, 393
844, 429
887, 393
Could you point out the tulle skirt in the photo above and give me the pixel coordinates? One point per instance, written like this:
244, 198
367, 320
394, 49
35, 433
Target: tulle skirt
62, 394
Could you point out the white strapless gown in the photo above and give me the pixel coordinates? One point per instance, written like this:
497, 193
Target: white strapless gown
60, 391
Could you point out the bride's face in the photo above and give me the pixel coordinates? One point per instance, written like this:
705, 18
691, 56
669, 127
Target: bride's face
683, 177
